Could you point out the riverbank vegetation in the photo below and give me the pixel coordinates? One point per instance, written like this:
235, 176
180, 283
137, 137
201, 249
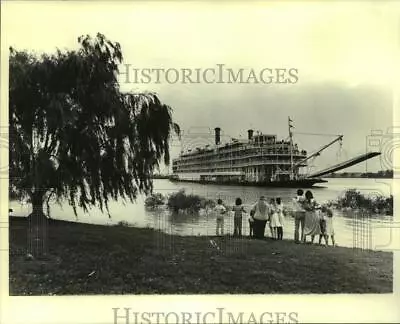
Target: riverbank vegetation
351, 199
155, 200
188, 202
354, 199
127, 260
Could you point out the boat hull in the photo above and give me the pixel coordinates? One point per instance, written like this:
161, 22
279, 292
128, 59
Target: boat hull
300, 183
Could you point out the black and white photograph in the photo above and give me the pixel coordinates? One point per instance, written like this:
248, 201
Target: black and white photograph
200, 148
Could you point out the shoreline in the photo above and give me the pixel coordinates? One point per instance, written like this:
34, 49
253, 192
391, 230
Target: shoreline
97, 259
228, 234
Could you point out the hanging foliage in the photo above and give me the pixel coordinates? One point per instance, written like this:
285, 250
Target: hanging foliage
75, 135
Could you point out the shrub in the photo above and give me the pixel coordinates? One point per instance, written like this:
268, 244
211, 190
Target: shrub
154, 200
123, 224
356, 200
180, 200
188, 202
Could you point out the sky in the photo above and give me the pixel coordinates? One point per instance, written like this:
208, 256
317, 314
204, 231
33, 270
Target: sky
344, 55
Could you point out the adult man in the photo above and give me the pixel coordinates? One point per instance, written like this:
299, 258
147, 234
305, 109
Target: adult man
261, 212
299, 215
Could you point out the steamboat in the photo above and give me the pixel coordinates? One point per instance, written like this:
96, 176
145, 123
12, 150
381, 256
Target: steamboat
260, 160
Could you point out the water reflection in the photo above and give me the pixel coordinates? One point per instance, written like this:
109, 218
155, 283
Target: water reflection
352, 229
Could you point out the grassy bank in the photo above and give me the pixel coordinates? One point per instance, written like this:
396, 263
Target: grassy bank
91, 259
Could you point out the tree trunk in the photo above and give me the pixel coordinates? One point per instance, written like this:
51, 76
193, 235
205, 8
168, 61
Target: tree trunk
38, 223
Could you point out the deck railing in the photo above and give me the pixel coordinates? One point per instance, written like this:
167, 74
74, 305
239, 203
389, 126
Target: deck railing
228, 166
232, 159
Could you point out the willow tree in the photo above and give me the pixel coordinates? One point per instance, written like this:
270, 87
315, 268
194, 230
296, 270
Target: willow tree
75, 135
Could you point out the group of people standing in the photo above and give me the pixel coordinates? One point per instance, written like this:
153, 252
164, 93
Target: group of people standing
263, 212
310, 218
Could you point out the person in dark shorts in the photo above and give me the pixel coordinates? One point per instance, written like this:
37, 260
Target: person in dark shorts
251, 224
279, 212
237, 217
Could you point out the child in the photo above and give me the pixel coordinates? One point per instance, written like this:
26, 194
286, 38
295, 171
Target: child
220, 210
329, 231
273, 219
251, 223
322, 225
237, 217
279, 223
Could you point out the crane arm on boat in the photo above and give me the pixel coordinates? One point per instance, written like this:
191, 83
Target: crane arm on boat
339, 138
343, 165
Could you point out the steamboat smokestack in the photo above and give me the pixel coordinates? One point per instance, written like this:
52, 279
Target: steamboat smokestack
250, 132
217, 135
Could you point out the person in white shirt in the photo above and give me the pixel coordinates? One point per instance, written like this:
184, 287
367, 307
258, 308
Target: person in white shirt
273, 220
261, 212
299, 216
279, 219
220, 211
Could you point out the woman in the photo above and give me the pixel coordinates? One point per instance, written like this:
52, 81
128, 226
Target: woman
261, 215
272, 217
312, 218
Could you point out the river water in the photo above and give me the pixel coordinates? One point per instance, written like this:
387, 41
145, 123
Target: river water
352, 229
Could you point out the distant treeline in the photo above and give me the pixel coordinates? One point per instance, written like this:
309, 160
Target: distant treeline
387, 174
